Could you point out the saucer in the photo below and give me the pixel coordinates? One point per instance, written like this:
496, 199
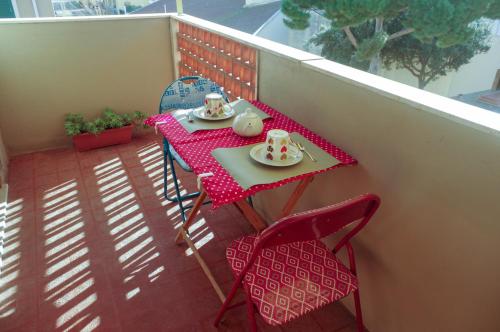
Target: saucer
257, 155
200, 114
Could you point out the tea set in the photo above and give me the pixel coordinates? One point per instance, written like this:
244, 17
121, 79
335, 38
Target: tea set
215, 108
278, 149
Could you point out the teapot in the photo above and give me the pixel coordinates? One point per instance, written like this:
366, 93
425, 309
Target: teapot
248, 124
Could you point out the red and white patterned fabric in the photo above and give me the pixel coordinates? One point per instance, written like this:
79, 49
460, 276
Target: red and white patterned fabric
195, 149
290, 280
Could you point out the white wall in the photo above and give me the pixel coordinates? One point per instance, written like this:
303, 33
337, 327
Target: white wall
3, 160
479, 74
78, 65
428, 260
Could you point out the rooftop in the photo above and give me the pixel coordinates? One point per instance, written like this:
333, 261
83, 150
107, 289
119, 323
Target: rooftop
476, 99
231, 13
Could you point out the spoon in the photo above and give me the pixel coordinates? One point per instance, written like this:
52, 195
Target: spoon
303, 150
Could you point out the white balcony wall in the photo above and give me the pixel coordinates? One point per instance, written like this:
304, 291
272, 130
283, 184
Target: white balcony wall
427, 261
58, 66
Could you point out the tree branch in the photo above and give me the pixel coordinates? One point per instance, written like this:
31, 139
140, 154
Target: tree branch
320, 13
401, 33
436, 72
351, 37
411, 70
414, 67
411, 65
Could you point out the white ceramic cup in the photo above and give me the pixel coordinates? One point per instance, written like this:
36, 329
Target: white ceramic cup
277, 145
214, 105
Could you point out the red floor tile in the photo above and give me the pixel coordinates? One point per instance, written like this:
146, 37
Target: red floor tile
89, 246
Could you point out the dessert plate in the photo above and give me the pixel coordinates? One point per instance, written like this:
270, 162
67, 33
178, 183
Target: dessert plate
295, 156
228, 113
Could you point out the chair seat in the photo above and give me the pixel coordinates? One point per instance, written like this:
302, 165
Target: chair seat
179, 160
287, 281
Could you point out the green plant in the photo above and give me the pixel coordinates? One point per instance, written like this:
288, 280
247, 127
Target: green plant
424, 60
443, 22
126, 118
112, 119
138, 118
95, 127
75, 124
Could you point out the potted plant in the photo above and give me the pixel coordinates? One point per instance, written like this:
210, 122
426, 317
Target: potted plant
109, 129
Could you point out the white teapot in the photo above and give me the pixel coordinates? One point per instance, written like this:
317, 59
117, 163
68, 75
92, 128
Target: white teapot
248, 124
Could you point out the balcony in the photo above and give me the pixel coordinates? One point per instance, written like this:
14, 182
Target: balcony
87, 237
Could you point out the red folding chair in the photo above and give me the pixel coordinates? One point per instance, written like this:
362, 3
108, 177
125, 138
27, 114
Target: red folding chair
287, 272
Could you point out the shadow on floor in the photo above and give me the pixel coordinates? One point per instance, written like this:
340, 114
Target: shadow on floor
88, 246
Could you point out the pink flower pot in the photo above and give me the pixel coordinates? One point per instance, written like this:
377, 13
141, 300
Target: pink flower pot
88, 141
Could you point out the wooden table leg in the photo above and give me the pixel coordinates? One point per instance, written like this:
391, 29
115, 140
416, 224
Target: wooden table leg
203, 265
294, 198
257, 221
183, 234
192, 215
252, 216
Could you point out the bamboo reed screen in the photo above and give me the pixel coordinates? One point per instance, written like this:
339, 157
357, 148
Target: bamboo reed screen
230, 64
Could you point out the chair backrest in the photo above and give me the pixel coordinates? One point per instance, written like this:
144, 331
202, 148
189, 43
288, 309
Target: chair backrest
319, 223
187, 92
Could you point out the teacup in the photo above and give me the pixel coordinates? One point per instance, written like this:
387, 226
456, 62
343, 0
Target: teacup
214, 105
277, 145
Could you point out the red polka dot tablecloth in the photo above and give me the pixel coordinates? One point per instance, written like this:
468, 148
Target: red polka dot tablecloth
196, 148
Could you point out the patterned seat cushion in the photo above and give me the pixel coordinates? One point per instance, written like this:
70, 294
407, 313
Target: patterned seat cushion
287, 281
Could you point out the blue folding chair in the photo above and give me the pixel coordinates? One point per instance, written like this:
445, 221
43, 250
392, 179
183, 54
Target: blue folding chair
184, 93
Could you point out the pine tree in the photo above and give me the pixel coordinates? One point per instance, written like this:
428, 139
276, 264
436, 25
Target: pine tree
442, 22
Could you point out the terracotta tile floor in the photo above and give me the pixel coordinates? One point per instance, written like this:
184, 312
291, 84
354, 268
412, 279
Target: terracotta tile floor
89, 246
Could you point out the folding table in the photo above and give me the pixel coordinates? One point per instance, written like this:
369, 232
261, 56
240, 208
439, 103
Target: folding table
221, 188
